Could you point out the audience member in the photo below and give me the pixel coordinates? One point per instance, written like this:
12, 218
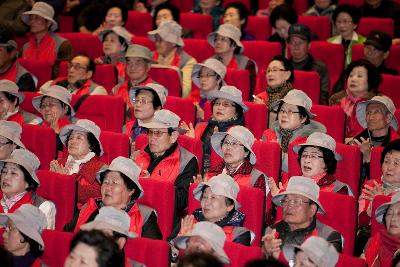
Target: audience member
168, 12
315, 252
10, 100
212, 8
322, 8
10, 138
236, 13
271, 6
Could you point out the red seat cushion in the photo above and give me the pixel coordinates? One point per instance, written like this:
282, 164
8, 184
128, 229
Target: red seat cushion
56, 247
261, 52
377, 201
346, 260
169, 77
333, 118
148, 251
114, 145
41, 69
389, 87
319, 25
139, 23
375, 24
375, 164
84, 43
199, 24
199, 49
259, 27
183, 107
239, 255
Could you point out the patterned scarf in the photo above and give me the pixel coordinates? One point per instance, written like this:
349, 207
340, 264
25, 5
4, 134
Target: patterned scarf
275, 94
286, 135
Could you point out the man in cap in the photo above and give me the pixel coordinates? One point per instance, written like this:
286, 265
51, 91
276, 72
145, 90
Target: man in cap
376, 51
299, 39
164, 159
300, 205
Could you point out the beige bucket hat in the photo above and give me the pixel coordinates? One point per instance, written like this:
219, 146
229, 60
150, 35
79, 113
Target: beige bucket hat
382, 99
221, 184
11, 88
160, 91
211, 233
12, 131
298, 98
135, 50
169, 31
54, 91
230, 93
240, 133
381, 210
300, 185
319, 251
227, 30
125, 166
211, 63
29, 161
164, 119
82, 125
29, 220
110, 218
43, 10
320, 140
118, 30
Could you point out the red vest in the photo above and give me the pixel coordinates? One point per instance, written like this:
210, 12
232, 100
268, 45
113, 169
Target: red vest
46, 50
11, 74
18, 118
123, 91
26, 199
85, 89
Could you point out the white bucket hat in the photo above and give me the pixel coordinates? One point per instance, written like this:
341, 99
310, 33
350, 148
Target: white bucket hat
118, 30
11, 88
54, 91
82, 125
135, 50
164, 119
29, 220
221, 184
240, 133
211, 63
125, 166
12, 131
169, 31
384, 100
227, 30
160, 91
381, 210
230, 93
319, 251
300, 185
110, 218
43, 10
29, 161
211, 233
298, 98
320, 140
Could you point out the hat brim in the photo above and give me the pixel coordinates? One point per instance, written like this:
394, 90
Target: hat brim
65, 131
375, 44
196, 72
276, 104
197, 194
18, 142
38, 99
296, 149
221, 94
362, 110
25, 19
158, 125
211, 40
21, 97
381, 210
18, 162
279, 197
99, 225
152, 36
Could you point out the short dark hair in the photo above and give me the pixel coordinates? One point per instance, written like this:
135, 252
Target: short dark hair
287, 65
32, 184
352, 10
34, 247
117, 4
128, 183
199, 259
156, 98
285, 12
175, 12
302, 112
328, 157
392, 146
11, 98
238, 109
121, 40
242, 10
374, 77
94, 144
91, 66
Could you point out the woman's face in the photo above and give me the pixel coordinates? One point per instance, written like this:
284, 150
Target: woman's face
144, 109
52, 109
357, 83
224, 110
289, 117
114, 192
391, 167
114, 18
214, 206
233, 151
6, 105
6, 147
392, 220
82, 255
12, 239
345, 26
163, 47
78, 144
12, 180
163, 15
208, 4
111, 45
312, 162
208, 79
282, 28
232, 16
276, 74
301, 260
223, 45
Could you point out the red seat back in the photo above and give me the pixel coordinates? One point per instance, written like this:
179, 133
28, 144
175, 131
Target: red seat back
199, 24
40, 69
144, 41
357, 51
66, 23
240, 79
184, 6
239, 255
183, 107
391, 61
148, 251
84, 43
114, 145
26, 105
247, 3
333, 118
139, 23
259, 27
170, 77
346, 260
357, 3
389, 87
60, 189
261, 52
56, 247
375, 24
319, 25
376, 202
268, 158
199, 49
375, 164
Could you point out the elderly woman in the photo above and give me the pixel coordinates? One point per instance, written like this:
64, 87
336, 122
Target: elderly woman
10, 99
382, 247
322, 8
120, 188
315, 252
227, 110
362, 84
10, 138
22, 235
19, 183
212, 8
237, 14
218, 205
82, 140
167, 11
208, 77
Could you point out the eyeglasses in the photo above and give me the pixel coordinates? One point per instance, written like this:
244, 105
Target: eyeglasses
294, 202
274, 70
224, 104
5, 143
311, 156
76, 66
206, 75
288, 112
141, 101
231, 144
155, 133
49, 104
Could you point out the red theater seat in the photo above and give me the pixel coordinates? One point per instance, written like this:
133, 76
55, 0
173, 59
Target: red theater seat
144, 41
56, 247
346, 260
139, 23
378, 24
200, 25
148, 251
268, 158
377, 201
375, 164
183, 107
259, 27
66, 23
41, 69
261, 52
319, 25
391, 61
170, 77
84, 43
199, 49
333, 118
389, 87
114, 145
239, 255
26, 105
240, 79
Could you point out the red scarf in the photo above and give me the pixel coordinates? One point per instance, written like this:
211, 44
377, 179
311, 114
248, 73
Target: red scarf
10, 74
349, 102
389, 246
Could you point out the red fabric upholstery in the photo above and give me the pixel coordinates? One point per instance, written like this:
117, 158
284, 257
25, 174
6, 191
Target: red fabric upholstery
56, 247
114, 145
184, 6
261, 51
41, 69
153, 191
148, 251
144, 41
375, 164
391, 61
268, 158
183, 107
199, 49
389, 87
247, 3
45, 149
84, 43
170, 77
397, 115
380, 24
200, 25
377, 201
240, 255
319, 25
346, 260
60, 189
357, 51
259, 27
351, 2
66, 23
333, 118
252, 201
139, 23
240, 79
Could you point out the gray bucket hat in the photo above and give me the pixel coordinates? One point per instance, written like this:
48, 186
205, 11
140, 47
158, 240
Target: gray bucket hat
135, 50
320, 140
230, 93
211, 233
221, 184
29, 161
159, 89
381, 210
118, 30
227, 30
54, 91
110, 218
43, 10
382, 99
164, 119
211, 63
298, 98
319, 251
12, 131
300, 185
29, 220
125, 166
82, 125
169, 31
11, 88
240, 133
